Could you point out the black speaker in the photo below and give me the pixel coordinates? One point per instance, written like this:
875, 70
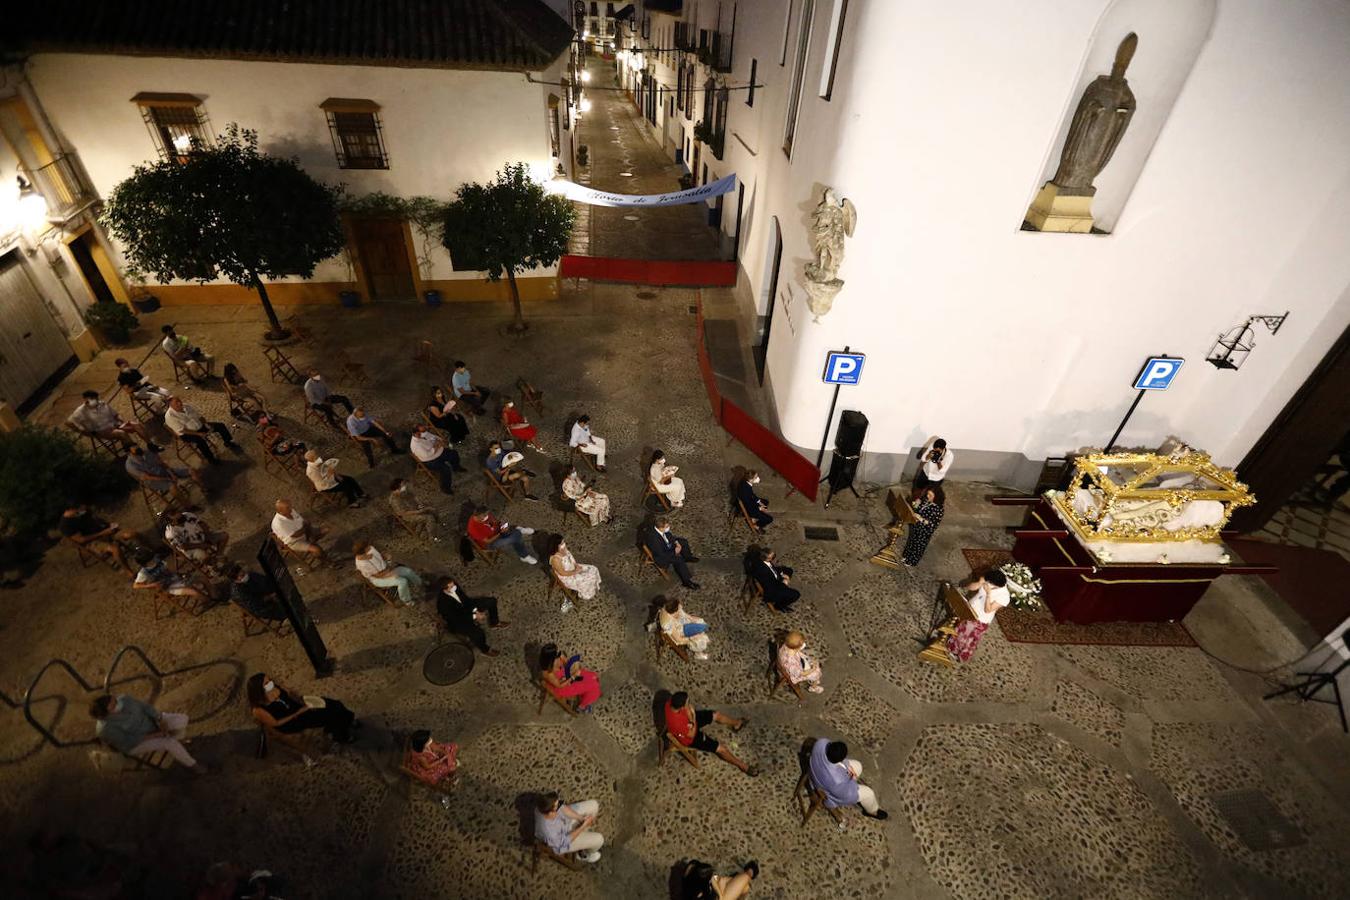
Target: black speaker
848, 437
842, 471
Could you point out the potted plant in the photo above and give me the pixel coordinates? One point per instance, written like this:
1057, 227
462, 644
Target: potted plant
141, 298
349, 298
113, 321
583, 155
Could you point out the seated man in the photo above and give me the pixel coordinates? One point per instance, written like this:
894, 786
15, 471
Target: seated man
190, 536
130, 379
467, 615
469, 394
686, 724
431, 450
200, 365
586, 442
322, 473
566, 827
103, 538
431, 762
755, 508
155, 575
147, 467
321, 399
670, 551
385, 573
489, 534
505, 468
136, 728
775, 580
412, 511
95, 417
367, 431
255, 594
290, 528
836, 776
987, 594
191, 426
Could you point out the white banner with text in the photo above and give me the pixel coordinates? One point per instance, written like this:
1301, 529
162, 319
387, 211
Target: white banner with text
581, 194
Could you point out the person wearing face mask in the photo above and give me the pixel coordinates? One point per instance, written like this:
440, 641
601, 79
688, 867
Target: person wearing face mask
798, 665
488, 533
519, 427
584, 579
277, 707
671, 551
430, 449
155, 575
321, 399
200, 365
467, 615
662, 479
411, 511
776, 581
683, 628
385, 573
94, 417
588, 501
431, 762
105, 539
185, 421
135, 384
504, 468
755, 508
323, 474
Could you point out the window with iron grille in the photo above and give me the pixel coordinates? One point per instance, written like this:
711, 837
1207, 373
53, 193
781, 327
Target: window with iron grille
358, 141
177, 123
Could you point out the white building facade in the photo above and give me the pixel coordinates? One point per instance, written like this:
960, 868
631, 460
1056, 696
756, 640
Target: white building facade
1227, 197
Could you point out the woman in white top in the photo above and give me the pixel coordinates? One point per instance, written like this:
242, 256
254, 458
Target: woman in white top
583, 579
589, 502
662, 478
682, 628
987, 595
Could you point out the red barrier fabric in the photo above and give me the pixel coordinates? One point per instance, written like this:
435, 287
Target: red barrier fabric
796, 469
684, 273
705, 367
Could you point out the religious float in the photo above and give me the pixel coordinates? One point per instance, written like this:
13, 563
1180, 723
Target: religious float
1135, 537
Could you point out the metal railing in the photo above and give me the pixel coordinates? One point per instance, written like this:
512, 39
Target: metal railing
62, 184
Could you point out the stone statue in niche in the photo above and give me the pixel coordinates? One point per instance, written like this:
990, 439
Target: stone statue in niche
831, 222
1099, 122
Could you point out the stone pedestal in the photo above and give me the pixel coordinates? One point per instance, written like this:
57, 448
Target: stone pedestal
1053, 210
820, 294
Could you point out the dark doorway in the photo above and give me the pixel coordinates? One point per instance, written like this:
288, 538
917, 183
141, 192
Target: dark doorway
740, 210
1301, 440
383, 252
81, 249
775, 263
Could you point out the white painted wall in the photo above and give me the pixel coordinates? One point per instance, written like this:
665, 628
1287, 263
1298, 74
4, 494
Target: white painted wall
940, 127
441, 127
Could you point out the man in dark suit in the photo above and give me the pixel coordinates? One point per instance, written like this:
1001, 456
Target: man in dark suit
670, 551
467, 615
776, 581
755, 508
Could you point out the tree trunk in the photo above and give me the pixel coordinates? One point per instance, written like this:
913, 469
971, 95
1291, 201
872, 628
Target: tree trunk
518, 326
276, 332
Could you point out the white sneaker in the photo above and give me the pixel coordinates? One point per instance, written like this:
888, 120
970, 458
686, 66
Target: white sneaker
700, 656
567, 606
589, 856
529, 560
523, 530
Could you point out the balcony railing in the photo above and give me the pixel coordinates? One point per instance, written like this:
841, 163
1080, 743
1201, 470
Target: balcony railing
61, 183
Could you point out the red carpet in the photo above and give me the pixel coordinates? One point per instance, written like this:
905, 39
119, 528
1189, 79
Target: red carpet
1311, 581
1040, 627
684, 273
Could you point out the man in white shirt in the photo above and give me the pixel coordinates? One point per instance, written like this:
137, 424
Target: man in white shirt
322, 473
184, 420
292, 530
586, 442
200, 364
987, 594
934, 462
431, 450
95, 417
385, 574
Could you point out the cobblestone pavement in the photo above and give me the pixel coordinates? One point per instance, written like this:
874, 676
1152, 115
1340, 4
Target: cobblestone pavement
1034, 771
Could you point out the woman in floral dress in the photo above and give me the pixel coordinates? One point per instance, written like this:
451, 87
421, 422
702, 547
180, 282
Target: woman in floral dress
589, 502
929, 510
583, 579
431, 762
798, 665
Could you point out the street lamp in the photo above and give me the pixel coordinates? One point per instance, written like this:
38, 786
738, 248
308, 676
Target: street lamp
585, 77
31, 206
1231, 349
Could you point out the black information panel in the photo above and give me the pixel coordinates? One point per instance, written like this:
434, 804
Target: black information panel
274, 568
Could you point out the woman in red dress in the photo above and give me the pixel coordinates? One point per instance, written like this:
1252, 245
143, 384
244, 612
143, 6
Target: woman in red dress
519, 427
581, 683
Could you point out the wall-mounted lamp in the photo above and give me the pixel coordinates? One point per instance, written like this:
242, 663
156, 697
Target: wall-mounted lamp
585, 77
1231, 349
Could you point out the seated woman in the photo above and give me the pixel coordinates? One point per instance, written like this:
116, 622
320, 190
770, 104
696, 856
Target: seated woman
240, 389
797, 664
589, 502
431, 762
443, 415
700, 881
566, 678
276, 707
683, 629
662, 478
519, 426
583, 579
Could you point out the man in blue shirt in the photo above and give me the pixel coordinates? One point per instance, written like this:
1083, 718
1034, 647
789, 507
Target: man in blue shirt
472, 395
833, 773
136, 728
367, 431
566, 827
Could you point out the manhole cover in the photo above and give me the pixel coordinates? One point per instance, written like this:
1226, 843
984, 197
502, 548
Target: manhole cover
646, 295
1257, 821
821, 532
448, 663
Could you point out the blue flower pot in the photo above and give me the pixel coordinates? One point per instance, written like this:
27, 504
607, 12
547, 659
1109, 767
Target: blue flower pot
433, 298
146, 304
349, 299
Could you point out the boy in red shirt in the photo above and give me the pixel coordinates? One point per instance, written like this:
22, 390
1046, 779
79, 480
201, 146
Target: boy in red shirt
687, 723
488, 533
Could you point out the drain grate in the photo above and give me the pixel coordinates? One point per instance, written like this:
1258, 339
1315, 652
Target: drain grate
693, 310
646, 295
1257, 821
821, 532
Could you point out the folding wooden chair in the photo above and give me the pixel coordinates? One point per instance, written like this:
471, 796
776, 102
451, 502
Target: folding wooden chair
181, 446
236, 402
143, 411
88, 555
546, 693
334, 499
806, 789
388, 594
668, 743
99, 445
507, 490
555, 581
568, 506
422, 469
289, 552
278, 627
588, 457
544, 850
444, 786
529, 396
280, 365
165, 600
311, 416
288, 463
739, 512
664, 640
165, 499
486, 554
645, 558
434, 427
349, 370
182, 561
651, 491
781, 678
301, 743
752, 591
424, 357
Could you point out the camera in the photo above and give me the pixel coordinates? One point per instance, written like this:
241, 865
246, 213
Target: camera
935, 455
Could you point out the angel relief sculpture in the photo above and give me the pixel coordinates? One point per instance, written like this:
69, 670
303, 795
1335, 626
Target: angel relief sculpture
831, 222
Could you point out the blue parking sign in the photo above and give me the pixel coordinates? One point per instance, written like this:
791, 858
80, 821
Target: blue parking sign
1157, 373
843, 368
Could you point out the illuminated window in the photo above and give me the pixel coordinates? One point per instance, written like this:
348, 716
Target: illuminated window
355, 129
177, 123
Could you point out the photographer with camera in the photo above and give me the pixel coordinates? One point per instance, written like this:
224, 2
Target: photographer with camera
934, 461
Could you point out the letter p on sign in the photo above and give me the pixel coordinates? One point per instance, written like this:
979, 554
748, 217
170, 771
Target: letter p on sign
1157, 373
843, 368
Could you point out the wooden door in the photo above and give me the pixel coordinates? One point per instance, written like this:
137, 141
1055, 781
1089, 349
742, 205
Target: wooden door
383, 250
33, 348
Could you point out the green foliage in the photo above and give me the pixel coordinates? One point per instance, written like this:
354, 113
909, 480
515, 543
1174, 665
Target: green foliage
45, 470
113, 319
509, 225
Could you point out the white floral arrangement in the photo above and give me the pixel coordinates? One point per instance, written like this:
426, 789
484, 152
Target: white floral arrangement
1023, 587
